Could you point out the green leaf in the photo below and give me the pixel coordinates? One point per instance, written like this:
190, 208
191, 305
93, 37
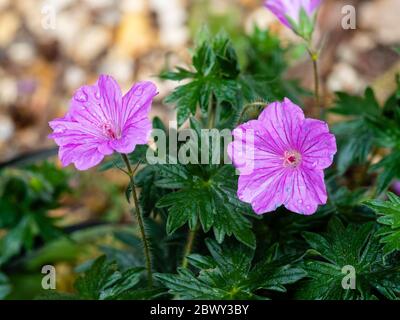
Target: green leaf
14, 240
350, 105
103, 281
26, 196
356, 136
216, 68
179, 74
354, 246
213, 200
389, 217
204, 59
150, 193
355, 140
390, 170
228, 274
305, 27
5, 286
186, 98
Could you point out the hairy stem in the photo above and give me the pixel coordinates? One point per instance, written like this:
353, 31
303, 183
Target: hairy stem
247, 107
139, 218
211, 113
189, 246
314, 59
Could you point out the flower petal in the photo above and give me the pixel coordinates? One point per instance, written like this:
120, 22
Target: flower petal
311, 6
136, 103
263, 189
100, 121
306, 190
291, 8
83, 156
87, 108
251, 150
137, 133
316, 144
278, 8
111, 97
282, 120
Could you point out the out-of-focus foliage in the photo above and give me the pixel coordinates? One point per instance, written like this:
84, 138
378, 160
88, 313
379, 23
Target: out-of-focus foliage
26, 196
4, 286
103, 281
370, 127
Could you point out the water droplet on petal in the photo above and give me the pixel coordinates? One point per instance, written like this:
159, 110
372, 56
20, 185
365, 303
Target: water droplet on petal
315, 164
299, 201
138, 91
81, 96
308, 207
97, 95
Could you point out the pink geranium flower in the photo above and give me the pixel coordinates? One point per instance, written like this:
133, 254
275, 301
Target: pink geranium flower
289, 10
281, 162
100, 121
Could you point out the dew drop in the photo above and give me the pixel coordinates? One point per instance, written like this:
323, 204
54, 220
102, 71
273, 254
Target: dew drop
299, 201
139, 91
308, 207
97, 95
287, 189
81, 96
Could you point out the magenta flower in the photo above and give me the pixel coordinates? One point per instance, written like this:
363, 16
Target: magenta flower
288, 11
396, 187
100, 121
281, 157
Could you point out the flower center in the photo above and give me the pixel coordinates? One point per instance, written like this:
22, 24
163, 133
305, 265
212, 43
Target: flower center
108, 131
291, 159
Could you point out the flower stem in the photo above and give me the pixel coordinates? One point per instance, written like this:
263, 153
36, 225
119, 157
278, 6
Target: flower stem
139, 218
188, 246
314, 59
211, 113
248, 106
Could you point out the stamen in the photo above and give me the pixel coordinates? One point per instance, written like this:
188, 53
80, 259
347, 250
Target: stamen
108, 131
291, 159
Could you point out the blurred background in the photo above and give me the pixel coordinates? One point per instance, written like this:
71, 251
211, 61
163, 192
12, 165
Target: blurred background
50, 48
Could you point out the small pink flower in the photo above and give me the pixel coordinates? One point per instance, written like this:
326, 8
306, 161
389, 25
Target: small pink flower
100, 121
291, 8
396, 187
283, 162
